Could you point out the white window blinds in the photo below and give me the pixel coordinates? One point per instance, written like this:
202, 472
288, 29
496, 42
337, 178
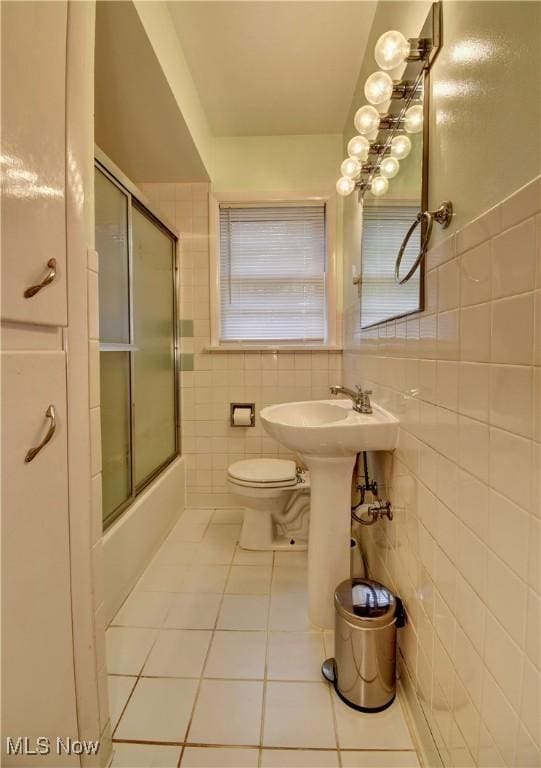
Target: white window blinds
272, 273
384, 228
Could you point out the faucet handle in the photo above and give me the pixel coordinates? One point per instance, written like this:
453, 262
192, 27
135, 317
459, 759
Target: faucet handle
367, 391
359, 388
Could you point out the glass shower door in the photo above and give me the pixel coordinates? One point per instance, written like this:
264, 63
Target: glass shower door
155, 428
138, 326
112, 244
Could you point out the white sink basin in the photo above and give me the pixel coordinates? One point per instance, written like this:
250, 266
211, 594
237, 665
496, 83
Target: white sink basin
328, 434
330, 428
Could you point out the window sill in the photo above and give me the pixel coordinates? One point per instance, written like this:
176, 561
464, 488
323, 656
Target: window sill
273, 348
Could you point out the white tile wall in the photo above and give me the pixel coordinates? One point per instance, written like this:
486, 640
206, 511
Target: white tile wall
209, 444
464, 547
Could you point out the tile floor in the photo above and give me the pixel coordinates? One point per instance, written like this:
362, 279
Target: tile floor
212, 663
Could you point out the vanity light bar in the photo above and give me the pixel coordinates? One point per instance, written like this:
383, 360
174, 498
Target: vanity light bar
392, 49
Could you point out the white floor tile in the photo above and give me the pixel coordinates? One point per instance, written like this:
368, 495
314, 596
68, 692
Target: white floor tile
202, 515
288, 580
387, 759
244, 612
186, 530
158, 710
209, 579
127, 649
119, 689
161, 577
298, 715
237, 655
228, 515
295, 656
249, 580
143, 609
289, 613
298, 758
219, 757
178, 653
216, 552
144, 756
252, 557
227, 712
297, 558
222, 533
193, 611
177, 553
378, 730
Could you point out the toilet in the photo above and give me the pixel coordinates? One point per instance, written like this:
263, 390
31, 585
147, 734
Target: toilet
275, 495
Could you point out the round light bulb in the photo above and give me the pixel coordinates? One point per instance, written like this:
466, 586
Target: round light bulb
378, 88
351, 167
391, 50
379, 186
358, 147
400, 147
413, 119
389, 167
345, 186
367, 120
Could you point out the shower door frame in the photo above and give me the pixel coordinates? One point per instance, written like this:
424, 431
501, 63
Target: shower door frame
134, 197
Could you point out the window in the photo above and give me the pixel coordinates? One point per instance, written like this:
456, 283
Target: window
137, 344
273, 282
384, 228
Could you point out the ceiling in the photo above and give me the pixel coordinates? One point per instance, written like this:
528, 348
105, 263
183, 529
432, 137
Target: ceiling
137, 121
274, 67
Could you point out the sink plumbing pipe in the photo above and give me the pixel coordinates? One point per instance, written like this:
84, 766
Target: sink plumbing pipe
372, 512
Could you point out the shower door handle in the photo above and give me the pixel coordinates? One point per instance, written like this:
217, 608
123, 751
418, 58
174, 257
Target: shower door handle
33, 452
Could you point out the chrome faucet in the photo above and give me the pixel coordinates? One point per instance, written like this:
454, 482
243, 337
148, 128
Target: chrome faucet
360, 397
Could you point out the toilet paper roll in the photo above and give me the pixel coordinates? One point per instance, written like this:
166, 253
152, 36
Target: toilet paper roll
242, 417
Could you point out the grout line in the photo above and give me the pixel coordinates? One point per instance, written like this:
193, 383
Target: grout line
201, 678
265, 671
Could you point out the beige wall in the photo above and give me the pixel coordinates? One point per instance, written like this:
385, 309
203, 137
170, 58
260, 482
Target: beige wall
485, 112
464, 378
159, 27
276, 164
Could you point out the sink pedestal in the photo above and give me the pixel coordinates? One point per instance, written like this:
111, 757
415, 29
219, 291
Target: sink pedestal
330, 532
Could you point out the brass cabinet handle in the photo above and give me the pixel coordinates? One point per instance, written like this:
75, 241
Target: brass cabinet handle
33, 452
49, 277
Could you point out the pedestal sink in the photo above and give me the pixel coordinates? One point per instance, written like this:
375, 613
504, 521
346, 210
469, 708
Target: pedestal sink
328, 434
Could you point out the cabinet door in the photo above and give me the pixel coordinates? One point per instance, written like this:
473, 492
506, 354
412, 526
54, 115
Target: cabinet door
38, 692
34, 160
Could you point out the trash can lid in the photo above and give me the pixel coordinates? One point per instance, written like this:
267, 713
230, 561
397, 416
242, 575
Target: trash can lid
365, 603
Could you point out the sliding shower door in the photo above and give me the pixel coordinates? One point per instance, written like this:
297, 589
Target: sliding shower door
154, 355
139, 387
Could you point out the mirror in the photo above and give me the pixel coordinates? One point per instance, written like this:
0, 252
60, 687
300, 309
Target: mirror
386, 221
394, 193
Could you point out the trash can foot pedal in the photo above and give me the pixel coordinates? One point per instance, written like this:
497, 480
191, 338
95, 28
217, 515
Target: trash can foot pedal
328, 670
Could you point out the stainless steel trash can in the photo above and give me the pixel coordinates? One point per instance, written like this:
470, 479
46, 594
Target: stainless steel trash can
363, 670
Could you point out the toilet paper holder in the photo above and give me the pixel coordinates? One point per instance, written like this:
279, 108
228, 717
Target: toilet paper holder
232, 409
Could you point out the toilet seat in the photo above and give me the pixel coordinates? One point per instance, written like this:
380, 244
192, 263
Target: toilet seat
264, 473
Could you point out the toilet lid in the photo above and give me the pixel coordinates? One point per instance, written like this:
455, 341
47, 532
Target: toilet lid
263, 471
